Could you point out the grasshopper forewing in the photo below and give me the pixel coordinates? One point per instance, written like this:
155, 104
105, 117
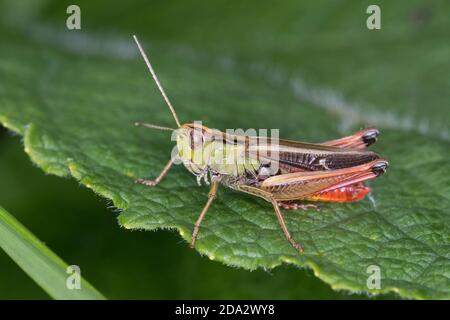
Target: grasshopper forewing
280, 171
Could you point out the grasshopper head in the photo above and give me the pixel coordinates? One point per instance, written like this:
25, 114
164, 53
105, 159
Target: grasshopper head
193, 144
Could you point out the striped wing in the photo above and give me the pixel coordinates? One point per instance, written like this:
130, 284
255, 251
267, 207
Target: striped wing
293, 156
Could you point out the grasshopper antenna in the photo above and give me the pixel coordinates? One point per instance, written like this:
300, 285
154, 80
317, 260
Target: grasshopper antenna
150, 68
153, 126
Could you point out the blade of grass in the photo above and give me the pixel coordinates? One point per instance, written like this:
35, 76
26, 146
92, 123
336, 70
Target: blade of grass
39, 262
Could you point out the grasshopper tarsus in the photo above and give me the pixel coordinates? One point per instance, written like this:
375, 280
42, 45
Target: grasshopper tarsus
300, 249
145, 182
296, 245
296, 206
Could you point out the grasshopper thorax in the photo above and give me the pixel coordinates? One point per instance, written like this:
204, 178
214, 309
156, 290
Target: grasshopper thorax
204, 150
194, 147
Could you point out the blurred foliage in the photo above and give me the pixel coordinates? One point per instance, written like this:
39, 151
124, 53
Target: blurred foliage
48, 270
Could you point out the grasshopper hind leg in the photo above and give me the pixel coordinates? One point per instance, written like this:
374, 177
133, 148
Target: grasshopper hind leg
296, 206
359, 140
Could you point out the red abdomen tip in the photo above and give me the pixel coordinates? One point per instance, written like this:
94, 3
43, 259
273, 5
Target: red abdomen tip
345, 194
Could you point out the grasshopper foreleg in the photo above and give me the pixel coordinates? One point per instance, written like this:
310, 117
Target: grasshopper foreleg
152, 183
211, 195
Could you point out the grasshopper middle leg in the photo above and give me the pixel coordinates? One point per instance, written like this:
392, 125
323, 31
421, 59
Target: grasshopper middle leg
211, 195
268, 197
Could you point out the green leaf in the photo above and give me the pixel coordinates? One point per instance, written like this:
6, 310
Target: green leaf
39, 262
75, 106
81, 227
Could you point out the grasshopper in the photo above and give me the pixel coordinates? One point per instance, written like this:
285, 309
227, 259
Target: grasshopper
332, 171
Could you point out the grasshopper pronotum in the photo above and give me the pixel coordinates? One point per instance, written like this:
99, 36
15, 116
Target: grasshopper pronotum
331, 171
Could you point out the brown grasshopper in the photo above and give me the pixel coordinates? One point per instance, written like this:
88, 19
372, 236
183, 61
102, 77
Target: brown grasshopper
279, 171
